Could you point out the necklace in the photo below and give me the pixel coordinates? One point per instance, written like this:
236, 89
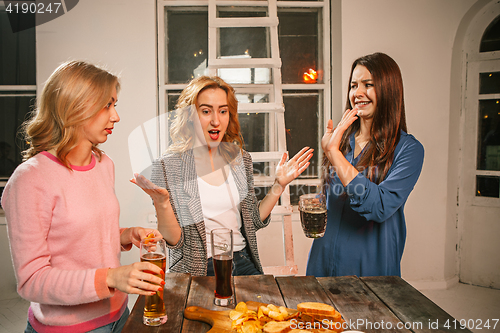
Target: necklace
362, 144
359, 146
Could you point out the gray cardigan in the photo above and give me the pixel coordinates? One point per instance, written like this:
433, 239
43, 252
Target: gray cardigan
177, 173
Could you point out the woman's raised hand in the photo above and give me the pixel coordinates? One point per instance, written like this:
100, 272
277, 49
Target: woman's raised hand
167, 221
286, 171
158, 194
332, 137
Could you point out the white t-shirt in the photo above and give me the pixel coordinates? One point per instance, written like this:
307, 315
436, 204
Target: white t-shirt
221, 209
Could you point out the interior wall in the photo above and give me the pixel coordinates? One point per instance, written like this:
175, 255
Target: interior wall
419, 35
7, 277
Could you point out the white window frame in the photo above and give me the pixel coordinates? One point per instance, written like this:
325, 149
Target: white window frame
476, 62
14, 91
323, 88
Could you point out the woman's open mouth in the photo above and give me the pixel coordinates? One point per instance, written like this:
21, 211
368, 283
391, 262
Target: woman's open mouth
214, 134
362, 104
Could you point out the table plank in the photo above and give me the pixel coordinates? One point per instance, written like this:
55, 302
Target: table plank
258, 288
174, 296
201, 294
298, 289
361, 308
410, 305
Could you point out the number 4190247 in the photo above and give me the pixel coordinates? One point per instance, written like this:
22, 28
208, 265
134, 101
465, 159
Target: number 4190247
32, 8
471, 324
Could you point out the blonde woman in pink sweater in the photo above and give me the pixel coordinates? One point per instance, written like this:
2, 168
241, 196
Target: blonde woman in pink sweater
63, 215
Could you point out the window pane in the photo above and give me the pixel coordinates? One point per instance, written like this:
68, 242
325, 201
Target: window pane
297, 190
171, 99
255, 130
244, 42
302, 121
240, 11
487, 186
245, 75
15, 111
251, 42
489, 83
299, 48
17, 54
261, 169
491, 37
186, 45
489, 135
252, 98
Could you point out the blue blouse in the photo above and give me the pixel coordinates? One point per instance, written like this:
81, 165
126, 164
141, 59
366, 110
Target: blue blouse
366, 230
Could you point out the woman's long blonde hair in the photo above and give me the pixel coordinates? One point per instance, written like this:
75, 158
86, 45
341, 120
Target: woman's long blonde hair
182, 129
75, 92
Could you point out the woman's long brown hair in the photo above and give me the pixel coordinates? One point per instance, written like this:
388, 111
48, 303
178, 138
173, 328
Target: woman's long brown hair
388, 121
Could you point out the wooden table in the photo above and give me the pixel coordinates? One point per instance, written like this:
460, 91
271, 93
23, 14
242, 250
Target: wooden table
368, 304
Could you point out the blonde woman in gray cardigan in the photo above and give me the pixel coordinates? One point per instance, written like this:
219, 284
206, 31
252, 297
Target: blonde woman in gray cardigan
205, 181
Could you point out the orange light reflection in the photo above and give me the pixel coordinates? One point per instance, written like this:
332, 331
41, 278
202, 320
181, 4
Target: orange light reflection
310, 76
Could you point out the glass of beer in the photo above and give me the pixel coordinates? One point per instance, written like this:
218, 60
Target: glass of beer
222, 256
154, 251
312, 208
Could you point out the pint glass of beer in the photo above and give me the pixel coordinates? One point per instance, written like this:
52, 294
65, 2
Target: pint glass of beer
154, 309
222, 256
312, 208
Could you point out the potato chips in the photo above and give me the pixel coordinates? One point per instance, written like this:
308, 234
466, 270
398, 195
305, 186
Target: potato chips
249, 321
244, 320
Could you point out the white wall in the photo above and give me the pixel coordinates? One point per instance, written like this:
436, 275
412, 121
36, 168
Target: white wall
419, 35
7, 278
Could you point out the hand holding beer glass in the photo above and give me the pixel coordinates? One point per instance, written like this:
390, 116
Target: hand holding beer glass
312, 209
222, 256
154, 309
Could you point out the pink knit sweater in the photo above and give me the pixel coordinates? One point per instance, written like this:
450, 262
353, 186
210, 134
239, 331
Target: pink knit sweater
64, 234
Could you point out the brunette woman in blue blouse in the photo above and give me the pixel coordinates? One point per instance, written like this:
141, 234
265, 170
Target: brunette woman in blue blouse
371, 166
